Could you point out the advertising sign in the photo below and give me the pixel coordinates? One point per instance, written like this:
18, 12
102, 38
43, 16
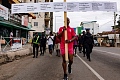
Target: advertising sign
4, 12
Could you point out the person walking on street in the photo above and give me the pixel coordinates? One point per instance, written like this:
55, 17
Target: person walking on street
54, 42
57, 45
80, 43
50, 43
43, 40
75, 45
11, 38
88, 40
83, 43
70, 38
36, 44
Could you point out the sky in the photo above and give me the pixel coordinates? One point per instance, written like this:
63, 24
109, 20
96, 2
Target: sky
104, 19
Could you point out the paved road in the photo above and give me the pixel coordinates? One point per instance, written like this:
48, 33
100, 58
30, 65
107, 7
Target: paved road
104, 66
106, 62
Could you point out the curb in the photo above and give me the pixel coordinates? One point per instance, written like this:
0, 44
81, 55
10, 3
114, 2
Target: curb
15, 55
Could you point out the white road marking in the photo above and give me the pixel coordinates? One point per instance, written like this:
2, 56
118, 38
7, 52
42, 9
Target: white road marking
96, 74
107, 52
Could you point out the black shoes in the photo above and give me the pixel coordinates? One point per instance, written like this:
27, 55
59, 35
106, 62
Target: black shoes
65, 77
69, 69
89, 59
42, 54
35, 57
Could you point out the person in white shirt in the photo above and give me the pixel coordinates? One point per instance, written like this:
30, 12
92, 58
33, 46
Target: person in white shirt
11, 37
50, 42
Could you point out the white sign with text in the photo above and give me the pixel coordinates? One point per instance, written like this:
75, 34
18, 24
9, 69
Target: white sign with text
63, 6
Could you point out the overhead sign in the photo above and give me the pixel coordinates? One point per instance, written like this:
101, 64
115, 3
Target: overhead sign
63, 6
59, 6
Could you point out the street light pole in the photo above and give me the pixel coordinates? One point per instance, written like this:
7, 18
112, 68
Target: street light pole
55, 22
115, 44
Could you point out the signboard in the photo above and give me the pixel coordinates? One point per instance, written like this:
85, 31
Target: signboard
63, 6
85, 6
71, 7
4, 12
59, 6
47, 6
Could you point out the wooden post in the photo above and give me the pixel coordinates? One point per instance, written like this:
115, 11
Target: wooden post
66, 45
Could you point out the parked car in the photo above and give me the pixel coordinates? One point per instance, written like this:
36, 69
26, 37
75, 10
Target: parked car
96, 43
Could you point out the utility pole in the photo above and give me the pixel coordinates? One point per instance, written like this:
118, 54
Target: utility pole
51, 19
115, 44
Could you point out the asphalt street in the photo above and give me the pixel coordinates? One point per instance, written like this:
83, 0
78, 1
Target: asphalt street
105, 65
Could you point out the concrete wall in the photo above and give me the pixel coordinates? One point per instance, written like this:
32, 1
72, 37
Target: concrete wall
15, 55
39, 18
40, 27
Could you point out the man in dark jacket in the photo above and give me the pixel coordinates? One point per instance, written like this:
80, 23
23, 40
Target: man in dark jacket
88, 40
83, 43
80, 43
36, 43
43, 40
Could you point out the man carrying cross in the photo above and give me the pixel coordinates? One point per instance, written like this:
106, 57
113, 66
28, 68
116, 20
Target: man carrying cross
70, 38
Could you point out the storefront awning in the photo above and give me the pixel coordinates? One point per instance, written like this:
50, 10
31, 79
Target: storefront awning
8, 24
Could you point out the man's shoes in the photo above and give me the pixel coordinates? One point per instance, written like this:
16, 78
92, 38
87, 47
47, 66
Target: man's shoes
58, 55
89, 59
36, 57
74, 55
65, 77
69, 69
50, 55
33, 56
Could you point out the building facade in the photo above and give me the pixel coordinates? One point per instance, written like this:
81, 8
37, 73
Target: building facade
92, 25
24, 24
12, 22
42, 21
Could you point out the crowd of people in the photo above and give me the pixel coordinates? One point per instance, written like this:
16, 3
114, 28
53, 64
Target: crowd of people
83, 42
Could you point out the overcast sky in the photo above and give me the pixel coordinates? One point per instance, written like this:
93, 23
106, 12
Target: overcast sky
104, 19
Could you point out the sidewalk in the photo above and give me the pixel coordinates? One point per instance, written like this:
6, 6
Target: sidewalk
9, 56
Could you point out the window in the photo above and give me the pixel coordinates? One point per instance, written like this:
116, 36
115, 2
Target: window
35, 23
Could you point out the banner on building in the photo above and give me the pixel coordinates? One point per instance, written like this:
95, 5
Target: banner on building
25, 20
63, 6
4, 12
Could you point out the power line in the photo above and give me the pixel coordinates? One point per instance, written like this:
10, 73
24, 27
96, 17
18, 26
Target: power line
107, 22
